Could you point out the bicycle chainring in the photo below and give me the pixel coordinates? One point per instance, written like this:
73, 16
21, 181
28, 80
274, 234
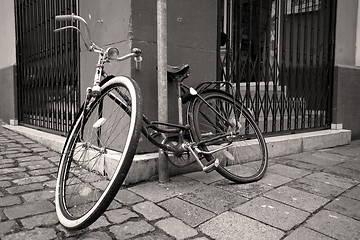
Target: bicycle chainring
178, 158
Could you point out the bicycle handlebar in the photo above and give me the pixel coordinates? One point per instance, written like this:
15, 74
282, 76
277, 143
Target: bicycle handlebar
136, 52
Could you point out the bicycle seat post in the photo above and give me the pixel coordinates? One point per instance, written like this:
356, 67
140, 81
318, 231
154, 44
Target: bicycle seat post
179, 102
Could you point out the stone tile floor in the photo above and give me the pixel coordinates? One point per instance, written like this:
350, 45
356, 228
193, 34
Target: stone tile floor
313, 195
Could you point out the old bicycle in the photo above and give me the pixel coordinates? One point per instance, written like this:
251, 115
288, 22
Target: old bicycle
219, 133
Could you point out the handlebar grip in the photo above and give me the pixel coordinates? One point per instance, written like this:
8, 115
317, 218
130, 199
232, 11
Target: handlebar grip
64, 17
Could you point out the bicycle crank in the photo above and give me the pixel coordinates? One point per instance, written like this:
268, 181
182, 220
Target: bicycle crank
208, 167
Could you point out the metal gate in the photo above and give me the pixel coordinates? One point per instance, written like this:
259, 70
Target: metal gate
279, 54
47, 65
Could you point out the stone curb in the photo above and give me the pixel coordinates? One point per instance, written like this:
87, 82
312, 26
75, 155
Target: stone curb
144, 166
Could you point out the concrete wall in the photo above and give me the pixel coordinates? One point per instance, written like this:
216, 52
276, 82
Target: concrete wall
7, 61
346, 108
110, 25
346, 28
192, 39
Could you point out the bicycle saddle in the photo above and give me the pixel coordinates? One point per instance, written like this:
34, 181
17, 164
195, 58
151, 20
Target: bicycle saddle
180, 72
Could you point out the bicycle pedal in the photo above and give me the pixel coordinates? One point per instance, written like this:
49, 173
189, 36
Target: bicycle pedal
211, 167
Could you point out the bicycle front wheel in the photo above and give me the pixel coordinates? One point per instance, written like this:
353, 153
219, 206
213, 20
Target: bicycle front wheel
225, 131
98, 153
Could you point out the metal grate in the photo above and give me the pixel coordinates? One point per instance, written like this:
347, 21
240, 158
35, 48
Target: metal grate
279, 54
47, 65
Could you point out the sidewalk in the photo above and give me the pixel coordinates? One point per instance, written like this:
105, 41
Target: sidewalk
313, 195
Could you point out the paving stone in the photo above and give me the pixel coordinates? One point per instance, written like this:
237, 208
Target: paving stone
34, 145
30, 209
176, 228
287, 171
352, 164
36, 234
33, 165
304, 165
187, 212
20, 149
29, 180
9, 201
231, 225
344, 172
39, 149
334, 225
5, 184
213, 199
345, 206
12, 170
131, 229
18, 155
353, 193
180, 185
100, 222
150, 211
346, 150
317, 188
273, 213
64, 233
114, 205
127, 197
274, 180
306, 233
30, 158
50, 154
320, 158
296, 198
55, 159
50, 184
8, 227
94, 236
6, 161
331, 179
40, 220
248, 190
15, 175
8, 152
120, 215
24, 188
8, 165
101, 184
205, 177
152, 191
46, 171
2, 215
155, 236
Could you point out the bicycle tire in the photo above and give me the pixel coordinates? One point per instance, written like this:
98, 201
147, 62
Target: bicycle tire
98, 153
247, 158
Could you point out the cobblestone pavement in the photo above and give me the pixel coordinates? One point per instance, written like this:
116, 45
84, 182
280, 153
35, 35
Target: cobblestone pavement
312, 195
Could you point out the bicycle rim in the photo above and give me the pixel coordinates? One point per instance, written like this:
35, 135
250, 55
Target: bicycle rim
98, 153
217, 123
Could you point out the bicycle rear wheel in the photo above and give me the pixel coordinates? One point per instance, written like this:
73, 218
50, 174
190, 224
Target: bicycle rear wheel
98, 153
217, 123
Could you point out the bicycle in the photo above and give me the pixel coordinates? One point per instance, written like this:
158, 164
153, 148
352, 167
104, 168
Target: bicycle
219, 134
